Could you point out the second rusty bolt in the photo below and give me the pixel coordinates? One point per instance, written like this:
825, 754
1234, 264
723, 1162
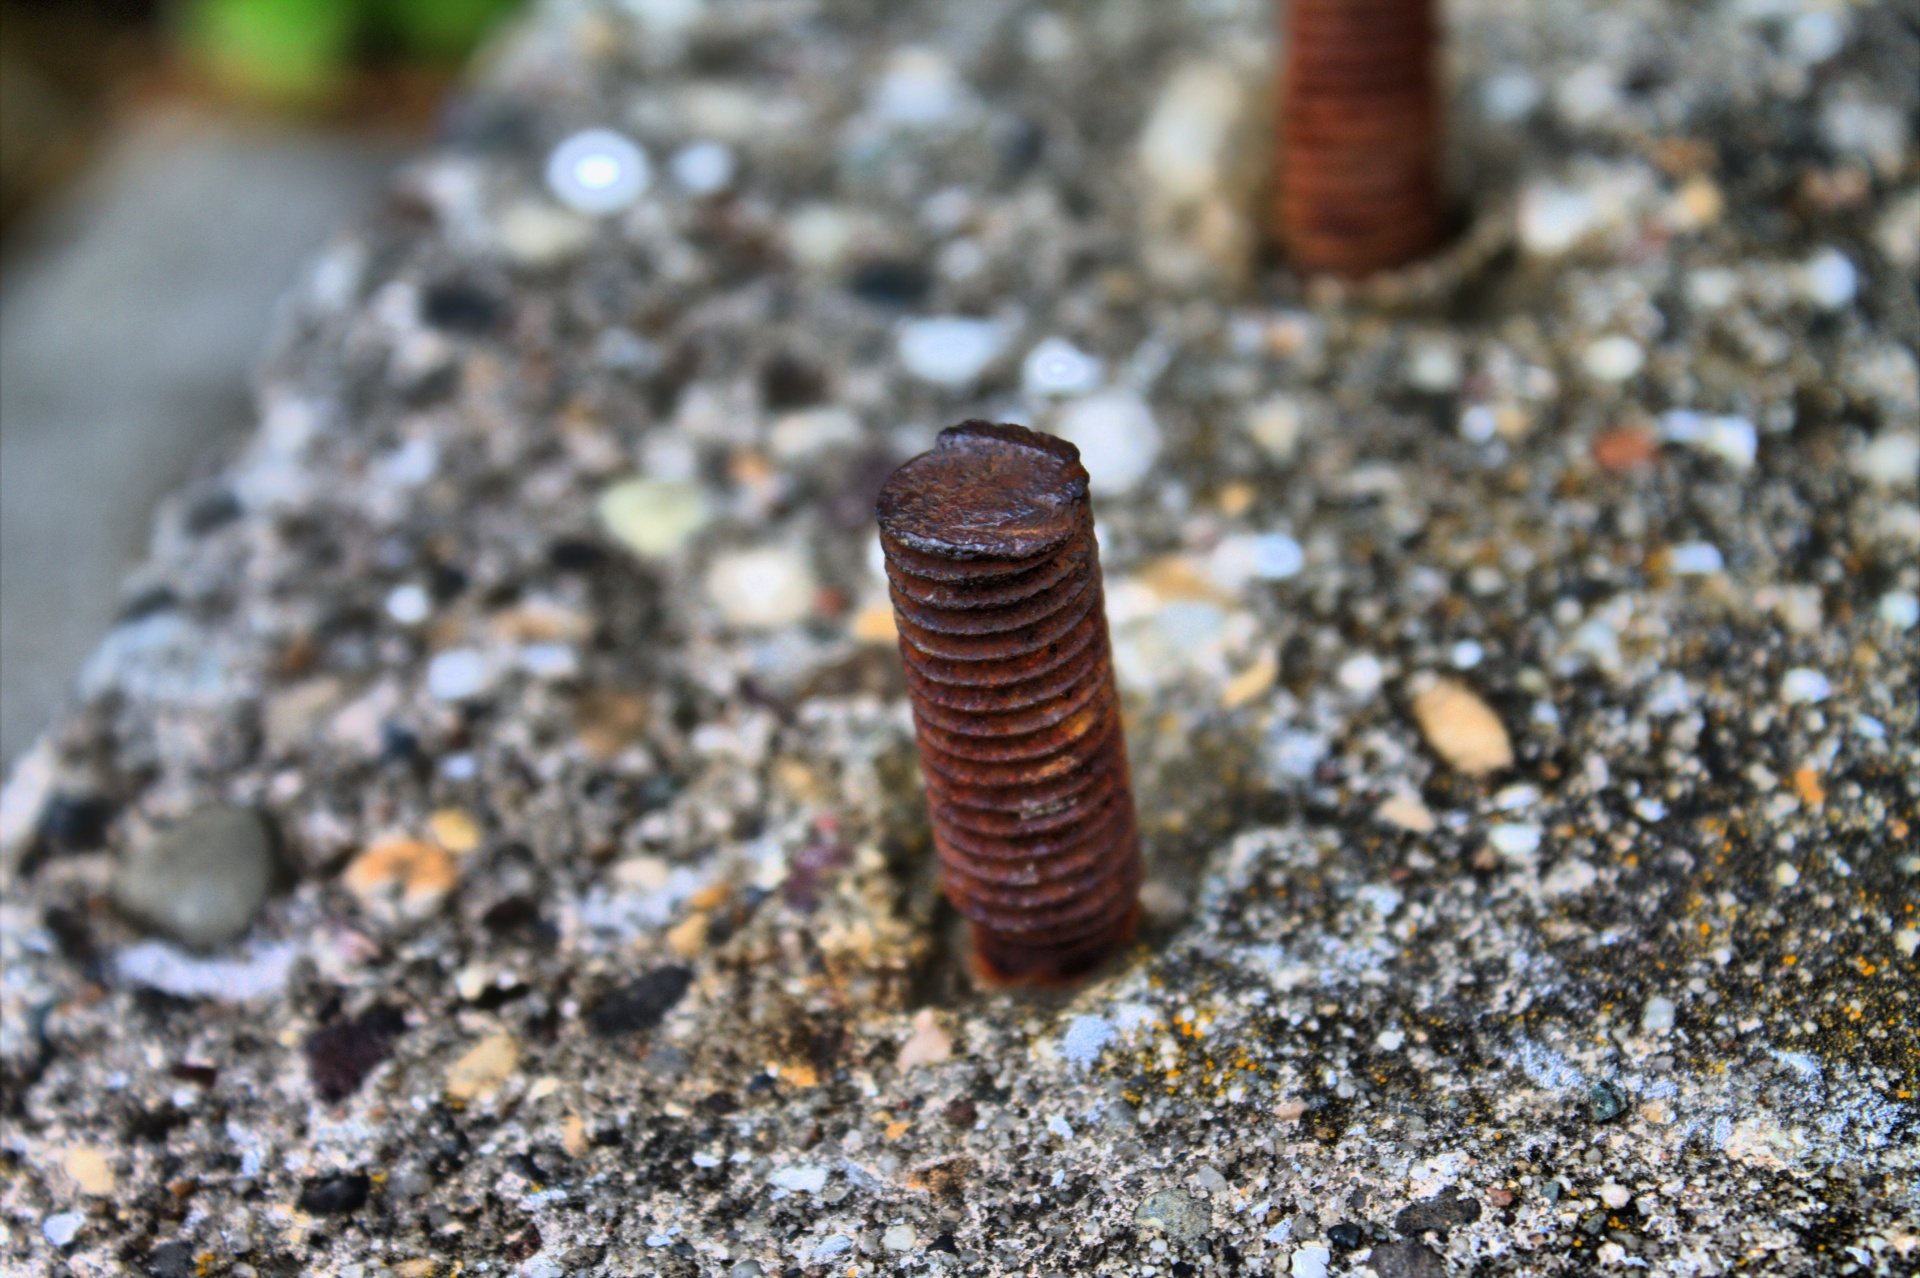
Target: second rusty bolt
1358, 187
996, 590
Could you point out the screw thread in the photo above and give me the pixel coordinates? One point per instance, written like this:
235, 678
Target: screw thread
995, 580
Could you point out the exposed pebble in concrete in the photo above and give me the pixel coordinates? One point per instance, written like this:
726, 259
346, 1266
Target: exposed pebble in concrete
203, 881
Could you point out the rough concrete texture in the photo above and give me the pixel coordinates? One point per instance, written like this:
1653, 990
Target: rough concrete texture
1519, 655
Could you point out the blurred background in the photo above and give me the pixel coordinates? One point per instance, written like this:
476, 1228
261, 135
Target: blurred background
165, 167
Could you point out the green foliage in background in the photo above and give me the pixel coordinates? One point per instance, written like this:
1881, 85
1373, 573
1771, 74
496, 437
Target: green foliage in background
298, 53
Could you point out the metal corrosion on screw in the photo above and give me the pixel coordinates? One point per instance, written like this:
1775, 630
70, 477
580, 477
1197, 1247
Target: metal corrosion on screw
1359, 182
996, 588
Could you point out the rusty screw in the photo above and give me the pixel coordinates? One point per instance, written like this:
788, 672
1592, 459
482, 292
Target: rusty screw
996, 589
1359, 181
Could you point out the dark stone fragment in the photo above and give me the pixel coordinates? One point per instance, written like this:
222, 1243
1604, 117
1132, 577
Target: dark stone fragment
962, 1113
446, 583
720, 1103
341, 1055
523, 1244
198, 1075
511, 914
1605, 1103
1406, 1260
398, 744
148, 603
945, 1243
171, 1260
684, 1250
215, 510
1183, 1269
1438, 1214
788, 382
1593, 1223
460, 307
1345, 1236
891, 282
335, 1195
642, 1004
575, 554
75, 822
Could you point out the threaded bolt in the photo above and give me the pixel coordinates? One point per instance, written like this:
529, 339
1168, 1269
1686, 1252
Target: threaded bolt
995, 580
1359, 182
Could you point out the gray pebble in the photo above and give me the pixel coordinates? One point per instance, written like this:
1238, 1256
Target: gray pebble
1406, 1260
1175, 1212
747, 1269
202, 882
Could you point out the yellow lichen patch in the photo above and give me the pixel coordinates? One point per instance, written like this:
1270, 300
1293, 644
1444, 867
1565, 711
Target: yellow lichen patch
1806, 784
898, 1129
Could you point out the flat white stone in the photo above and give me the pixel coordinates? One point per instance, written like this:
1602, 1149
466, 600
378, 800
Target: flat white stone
598, 171
703, 168
457, 674
1058, 367
1829, 280
1118, 439
1695, 559
1805, 686
1657, 1016
949, 350
762, 589
1613, 358
1899, 609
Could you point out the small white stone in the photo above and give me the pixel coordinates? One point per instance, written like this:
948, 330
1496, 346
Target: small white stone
1650, 810
1058, 367
1907, 940
703, 168
1553, 219
1509, 95
537, 234
1615, 1196
1786, 874
1513, 840
1085, 1039
411, 464
1891, 461
654, 517
1118, 439
949, 350
459, 766
833, 1245
1311, 1261
1695, 559
798, 436
1060, 1127
1515, 797
1816, 35
1588, 95
1465, 655
1899, 609
1805, 686
1361, 674
899, 1238
408, 605
1245, 557
1829, 279
1657, 1016
801, 1179
762, 589
550, 660
1613, 358
1390, 1040
1712, 287
1293, 753
1479, 423
1433, 365
919, 88
63, 1228
598, 171
1275, 425
458, 674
